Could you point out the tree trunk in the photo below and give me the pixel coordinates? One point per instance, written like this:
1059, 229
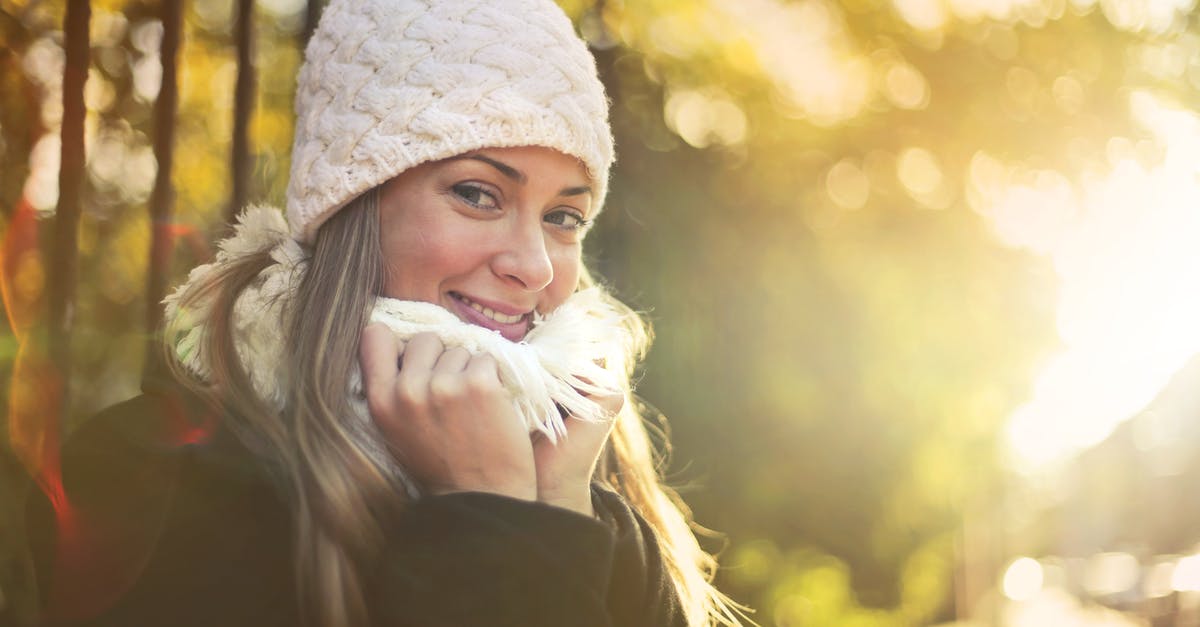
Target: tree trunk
243, 108
64, 256
162, 196
312, 13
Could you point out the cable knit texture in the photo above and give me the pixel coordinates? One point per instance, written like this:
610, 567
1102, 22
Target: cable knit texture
390, 84
570, 353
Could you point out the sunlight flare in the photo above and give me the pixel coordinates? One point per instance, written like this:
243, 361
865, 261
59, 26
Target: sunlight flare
1125, 246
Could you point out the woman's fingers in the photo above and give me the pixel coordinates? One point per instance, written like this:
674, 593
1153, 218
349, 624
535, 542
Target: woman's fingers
565, 468
421, 353
378, 352
483, 373
452, 361
610, 401
446, 415
446, 380
378, 349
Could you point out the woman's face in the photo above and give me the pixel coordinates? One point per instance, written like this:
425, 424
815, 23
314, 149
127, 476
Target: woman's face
491, 235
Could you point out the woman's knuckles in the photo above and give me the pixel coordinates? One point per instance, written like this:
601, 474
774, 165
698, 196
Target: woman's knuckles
412, 395
482, 386
481, 375
445, 388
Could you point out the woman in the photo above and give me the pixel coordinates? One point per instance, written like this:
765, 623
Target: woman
447, 152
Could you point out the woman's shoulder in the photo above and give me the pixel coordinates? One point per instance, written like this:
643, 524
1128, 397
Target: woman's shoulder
165, 449
157, 505
149, 426
154, 436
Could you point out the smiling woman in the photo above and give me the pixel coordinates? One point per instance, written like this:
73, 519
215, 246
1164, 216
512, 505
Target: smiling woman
474, 456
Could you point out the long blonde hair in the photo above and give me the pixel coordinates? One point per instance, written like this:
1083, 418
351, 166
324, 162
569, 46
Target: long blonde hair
339, 497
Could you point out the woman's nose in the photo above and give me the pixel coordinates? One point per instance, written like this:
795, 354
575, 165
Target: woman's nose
524, 258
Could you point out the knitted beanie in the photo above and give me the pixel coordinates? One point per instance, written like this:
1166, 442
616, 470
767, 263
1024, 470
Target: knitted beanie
389, 84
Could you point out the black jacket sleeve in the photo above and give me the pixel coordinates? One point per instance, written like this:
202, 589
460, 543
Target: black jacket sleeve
154, 523
641, 591
156, 526
468, 559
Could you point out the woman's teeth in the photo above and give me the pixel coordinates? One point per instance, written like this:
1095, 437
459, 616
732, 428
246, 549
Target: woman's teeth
490, 313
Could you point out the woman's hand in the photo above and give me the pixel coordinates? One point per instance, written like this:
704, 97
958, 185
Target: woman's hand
565, 468
446, 415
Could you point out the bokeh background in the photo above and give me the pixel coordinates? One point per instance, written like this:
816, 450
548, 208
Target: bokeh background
925, 275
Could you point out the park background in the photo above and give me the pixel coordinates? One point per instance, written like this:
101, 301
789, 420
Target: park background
925, 274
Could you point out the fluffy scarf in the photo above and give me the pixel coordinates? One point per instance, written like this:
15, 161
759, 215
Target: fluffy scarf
573, 352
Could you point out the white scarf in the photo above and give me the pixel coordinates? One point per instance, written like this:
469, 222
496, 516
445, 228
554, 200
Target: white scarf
556, 365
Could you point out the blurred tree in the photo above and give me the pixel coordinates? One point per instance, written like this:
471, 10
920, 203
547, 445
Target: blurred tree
162, 235
243, 97
65, 251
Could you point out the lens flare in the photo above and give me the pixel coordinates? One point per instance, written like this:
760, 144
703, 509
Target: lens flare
1126, 249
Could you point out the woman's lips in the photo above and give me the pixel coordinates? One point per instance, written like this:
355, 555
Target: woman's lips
512, 327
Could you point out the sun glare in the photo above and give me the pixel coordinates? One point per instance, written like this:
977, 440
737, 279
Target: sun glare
1023, 579
1126, 249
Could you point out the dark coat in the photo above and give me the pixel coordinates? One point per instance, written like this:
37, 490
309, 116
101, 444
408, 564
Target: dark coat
168, 520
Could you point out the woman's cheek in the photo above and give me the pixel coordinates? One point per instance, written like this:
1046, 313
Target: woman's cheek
567, 269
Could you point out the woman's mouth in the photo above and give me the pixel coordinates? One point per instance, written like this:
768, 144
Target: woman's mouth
512, 326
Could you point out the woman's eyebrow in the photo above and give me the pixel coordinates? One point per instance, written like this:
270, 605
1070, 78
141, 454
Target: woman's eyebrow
518, 176
575, 191
504, 168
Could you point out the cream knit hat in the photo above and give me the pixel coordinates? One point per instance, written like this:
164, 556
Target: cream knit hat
390, 84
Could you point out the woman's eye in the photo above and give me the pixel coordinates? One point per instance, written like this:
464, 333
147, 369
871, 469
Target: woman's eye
475, 196
567, 220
